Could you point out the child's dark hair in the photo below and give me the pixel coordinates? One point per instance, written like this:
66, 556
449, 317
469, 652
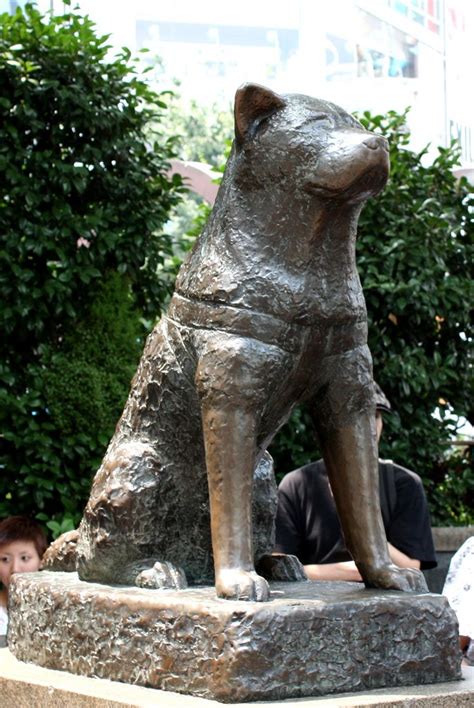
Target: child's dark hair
22, 528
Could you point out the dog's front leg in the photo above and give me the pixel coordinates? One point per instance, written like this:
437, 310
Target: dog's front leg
235, 377
350, 454
229, 438
345, 419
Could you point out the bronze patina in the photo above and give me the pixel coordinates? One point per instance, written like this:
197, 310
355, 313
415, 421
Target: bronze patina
268, 313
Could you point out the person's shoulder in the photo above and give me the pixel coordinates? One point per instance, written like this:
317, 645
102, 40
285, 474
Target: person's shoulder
303, 476
402, 475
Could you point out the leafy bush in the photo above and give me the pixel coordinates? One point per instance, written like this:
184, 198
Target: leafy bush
415, 262
83, 199
201, 134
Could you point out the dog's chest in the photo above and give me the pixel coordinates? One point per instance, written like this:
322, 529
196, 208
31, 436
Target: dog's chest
298, 287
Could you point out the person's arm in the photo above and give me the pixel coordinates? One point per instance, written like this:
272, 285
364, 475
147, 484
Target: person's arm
401, 559
346, 570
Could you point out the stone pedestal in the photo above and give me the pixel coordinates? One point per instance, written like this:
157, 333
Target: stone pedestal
311, 639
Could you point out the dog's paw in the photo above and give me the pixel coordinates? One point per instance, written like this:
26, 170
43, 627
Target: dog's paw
162, 575
391, 577
237, 584
281, 568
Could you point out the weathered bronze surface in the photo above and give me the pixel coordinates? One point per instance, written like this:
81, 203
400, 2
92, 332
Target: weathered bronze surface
311, 639
268, 313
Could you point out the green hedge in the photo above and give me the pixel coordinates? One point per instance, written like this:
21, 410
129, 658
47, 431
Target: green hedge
83, 200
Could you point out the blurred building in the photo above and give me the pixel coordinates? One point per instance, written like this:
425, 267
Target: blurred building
372, 55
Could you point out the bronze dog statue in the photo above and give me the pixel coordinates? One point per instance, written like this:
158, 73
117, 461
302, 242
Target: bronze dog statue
268, 313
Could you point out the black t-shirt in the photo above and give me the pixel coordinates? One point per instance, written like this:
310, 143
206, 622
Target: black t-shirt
307, 524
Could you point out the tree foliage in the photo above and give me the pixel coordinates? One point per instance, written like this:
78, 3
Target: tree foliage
415, 261
416, 264
201, 134
83, 199
200, 131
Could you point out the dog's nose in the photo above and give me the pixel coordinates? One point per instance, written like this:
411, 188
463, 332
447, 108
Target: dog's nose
376, 142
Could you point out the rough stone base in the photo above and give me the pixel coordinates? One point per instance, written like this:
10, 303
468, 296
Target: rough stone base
26, 686
311, 639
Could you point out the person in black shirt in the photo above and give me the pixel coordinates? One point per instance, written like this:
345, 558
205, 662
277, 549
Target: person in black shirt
307, 524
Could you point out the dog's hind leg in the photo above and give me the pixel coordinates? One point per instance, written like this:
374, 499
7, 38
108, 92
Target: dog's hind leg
116, 533
149, 496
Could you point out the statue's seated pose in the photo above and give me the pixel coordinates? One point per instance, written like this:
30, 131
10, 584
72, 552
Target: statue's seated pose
268, 313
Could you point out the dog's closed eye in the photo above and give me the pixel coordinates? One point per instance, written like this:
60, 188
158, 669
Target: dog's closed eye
322, 119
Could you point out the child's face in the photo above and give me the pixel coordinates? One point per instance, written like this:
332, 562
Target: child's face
18, 557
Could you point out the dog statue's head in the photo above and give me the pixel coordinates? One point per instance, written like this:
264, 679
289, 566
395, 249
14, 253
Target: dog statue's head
307, 145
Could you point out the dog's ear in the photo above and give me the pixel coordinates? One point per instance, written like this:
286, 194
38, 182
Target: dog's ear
253, 103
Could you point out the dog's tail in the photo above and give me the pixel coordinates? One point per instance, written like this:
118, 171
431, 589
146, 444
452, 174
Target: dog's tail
61, 554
